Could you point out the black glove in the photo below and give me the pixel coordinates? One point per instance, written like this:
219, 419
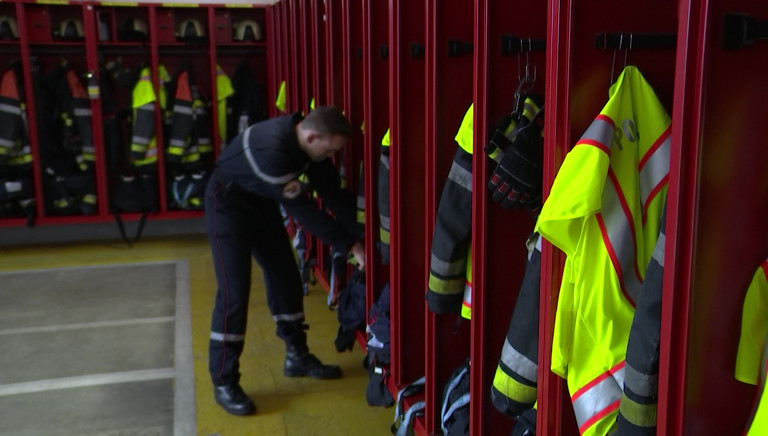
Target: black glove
516, 181
345, 339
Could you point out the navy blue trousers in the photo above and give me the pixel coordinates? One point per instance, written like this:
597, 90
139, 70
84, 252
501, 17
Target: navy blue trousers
242, 225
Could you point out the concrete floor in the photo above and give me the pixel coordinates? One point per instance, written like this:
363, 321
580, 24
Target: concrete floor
146, 405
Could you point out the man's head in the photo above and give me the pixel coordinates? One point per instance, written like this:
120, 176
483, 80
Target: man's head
323, 132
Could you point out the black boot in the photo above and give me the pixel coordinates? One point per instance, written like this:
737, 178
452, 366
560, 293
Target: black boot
233, 399
299, 362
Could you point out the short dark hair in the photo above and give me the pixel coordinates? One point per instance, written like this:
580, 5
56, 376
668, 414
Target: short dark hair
328, 120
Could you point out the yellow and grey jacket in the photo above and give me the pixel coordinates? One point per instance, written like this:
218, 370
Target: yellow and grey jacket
604, 212
143, 138
752, 357
453, 228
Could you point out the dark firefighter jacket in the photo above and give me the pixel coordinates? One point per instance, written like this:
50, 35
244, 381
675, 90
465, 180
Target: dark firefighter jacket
15, 153
514, 384
266, 159
639, 401
16, 188
453, 229
65, 139
189, 141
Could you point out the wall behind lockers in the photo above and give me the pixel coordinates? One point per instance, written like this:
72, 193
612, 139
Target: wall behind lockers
415, 67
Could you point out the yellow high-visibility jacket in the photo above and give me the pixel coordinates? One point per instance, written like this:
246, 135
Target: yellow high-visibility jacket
604, 213
752, 357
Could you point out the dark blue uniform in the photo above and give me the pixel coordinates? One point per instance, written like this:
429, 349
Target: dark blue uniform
255, 174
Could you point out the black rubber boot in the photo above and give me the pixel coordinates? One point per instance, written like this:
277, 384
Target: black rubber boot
299, 362
233, 399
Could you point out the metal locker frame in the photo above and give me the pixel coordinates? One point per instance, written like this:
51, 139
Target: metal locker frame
449, 88
506, 41
408, 262
720, 206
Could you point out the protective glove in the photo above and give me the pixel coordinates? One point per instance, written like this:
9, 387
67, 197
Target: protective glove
516, 181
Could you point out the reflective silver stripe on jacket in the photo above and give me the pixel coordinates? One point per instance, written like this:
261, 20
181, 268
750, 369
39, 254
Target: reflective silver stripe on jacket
255, 168
646, 385
448, 269
517, 362
599, 397
460, 176
11, 109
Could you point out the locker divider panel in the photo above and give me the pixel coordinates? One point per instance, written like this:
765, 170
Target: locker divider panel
409, 264
449, 94
375, 122
499, 235
721, 188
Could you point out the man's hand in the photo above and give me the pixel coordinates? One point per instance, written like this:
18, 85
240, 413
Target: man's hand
358, 250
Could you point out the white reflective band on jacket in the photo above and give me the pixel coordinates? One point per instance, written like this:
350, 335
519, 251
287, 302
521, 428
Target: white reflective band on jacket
604, 213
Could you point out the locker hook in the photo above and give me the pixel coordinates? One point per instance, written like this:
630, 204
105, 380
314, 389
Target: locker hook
613, 58
626, 50
525, 79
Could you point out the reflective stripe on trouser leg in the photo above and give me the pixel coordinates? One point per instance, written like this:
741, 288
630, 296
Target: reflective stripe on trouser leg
285, 294
232, 264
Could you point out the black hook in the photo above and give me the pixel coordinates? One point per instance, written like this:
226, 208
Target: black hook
511, 44
740, 30
417, 50
458, 48
632, 41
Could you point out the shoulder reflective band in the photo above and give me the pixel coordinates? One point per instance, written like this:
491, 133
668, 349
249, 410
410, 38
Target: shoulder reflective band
255, 168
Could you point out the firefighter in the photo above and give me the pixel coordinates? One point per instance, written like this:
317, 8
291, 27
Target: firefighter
604, 212
256, 174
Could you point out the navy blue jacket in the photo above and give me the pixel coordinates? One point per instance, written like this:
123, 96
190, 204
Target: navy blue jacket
266, 160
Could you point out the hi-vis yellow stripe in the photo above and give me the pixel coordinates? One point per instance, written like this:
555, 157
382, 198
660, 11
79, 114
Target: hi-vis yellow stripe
238, 5
52, 2
131, 4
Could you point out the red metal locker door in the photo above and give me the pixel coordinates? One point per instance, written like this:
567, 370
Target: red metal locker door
318, 59
278, 53
334, 60
304, 32
409, 254
720, 207
449, 89
375, 104
506, 43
